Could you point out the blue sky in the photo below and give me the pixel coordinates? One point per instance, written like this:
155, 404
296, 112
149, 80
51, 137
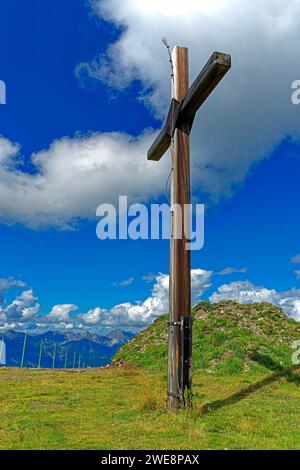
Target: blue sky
56, 89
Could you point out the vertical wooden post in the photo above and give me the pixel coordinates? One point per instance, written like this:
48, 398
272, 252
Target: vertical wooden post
180, 262
40, 354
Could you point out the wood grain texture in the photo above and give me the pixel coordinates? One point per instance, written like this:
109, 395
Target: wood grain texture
180, 264
163, 140
189, 102
212, 73
184, 106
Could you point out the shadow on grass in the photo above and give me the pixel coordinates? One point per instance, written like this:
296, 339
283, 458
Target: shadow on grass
267, 362
279, 373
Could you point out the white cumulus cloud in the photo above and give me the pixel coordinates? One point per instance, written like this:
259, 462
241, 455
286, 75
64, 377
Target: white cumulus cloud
24, 313
141, 314
73, 176
61, 313
245, 292
7, 283
243, 121
23, 308
250, 112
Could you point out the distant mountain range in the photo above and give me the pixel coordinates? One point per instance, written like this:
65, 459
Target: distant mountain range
72, 349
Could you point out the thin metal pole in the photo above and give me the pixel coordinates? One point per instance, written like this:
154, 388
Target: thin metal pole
1, 351
40, 355
23, 352
54, 355
79, 361
66, 358
74, 359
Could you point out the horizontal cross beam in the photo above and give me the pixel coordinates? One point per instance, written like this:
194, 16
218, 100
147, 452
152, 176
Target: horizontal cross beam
212, 73
163, 140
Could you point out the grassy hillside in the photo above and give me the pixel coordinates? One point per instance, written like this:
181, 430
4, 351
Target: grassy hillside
246, 393
228, 338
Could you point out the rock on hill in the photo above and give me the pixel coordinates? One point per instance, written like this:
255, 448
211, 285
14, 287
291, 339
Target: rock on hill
228, 338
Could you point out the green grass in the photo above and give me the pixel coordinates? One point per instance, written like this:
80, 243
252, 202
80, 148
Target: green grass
246, 391
125, 409
228, 339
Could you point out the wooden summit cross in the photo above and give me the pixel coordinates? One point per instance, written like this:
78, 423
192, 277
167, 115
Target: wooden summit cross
176, 133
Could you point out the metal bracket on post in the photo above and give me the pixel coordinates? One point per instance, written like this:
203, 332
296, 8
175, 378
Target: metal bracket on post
186, 354
174, 391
